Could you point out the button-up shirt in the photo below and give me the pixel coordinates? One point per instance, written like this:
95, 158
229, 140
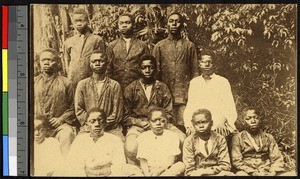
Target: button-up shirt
247, 158
157, 149
47, 157
137, 105
214, 95
106, 152
194, 158
110, 100
124, 65
53, 97
77, 52
177, 65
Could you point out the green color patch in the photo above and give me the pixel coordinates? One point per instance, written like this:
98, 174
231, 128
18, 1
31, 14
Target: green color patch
5, 113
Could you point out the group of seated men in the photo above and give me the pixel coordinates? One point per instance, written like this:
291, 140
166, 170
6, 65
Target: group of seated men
204, 152
153, 146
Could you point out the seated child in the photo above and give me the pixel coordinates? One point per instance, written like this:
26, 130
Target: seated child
47, 153
96, 153
205, 152
158, 147
255, 152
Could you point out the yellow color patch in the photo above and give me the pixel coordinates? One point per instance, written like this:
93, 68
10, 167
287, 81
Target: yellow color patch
4, 70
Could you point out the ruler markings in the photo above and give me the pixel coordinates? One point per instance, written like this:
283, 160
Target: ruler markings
22, 96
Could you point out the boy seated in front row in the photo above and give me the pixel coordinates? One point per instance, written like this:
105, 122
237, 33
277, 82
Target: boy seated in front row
47, 153
255, 152
205, 152
159, 147
96, 153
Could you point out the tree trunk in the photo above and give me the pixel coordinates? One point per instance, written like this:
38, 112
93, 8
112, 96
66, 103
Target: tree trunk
45, 33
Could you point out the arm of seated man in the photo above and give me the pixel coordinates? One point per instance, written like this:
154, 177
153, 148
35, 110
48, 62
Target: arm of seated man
145, 167
98, 170
159, 171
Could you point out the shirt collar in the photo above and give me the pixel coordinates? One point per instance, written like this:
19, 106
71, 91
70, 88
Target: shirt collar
211, 76
85, 35
170, 37
92, 81
51, 77
127, 39
152, 84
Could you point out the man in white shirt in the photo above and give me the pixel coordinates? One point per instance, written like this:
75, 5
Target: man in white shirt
47, 153
96, 153
212, 92
158, 147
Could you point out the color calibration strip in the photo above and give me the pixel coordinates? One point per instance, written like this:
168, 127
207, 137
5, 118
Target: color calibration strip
5, 90
12, 89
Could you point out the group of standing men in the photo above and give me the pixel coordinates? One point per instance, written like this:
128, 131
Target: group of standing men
126, 97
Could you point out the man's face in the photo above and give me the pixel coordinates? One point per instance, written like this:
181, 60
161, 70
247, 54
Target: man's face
39, 131
125, 25
96, 122
80, 22
147, 69
48, 62
252, 120
206, 64
157, 122
98, 63
174, 24
202, 124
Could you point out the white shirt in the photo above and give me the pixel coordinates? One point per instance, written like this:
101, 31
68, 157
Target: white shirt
99, 85
47, 157
127, 40
85, 152
202, 148
147, 89
157, 149
214, 95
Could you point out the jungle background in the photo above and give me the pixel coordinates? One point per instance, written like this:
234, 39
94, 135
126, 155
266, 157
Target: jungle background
255, 46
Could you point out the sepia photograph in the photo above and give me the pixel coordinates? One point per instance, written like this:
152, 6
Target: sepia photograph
163, 90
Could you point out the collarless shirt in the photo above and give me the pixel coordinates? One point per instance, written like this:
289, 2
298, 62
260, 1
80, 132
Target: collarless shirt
47, 157
147, 89
99, 85
157, 149
202, 146
214, 95
85, 152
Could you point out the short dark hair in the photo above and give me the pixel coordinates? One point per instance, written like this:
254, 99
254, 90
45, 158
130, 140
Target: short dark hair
95, 109
206, 113
179, 15
81, 11
207, 52
131, 17
44, 119
101, 51
148, 57
52, 51
248, 108
154, 109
